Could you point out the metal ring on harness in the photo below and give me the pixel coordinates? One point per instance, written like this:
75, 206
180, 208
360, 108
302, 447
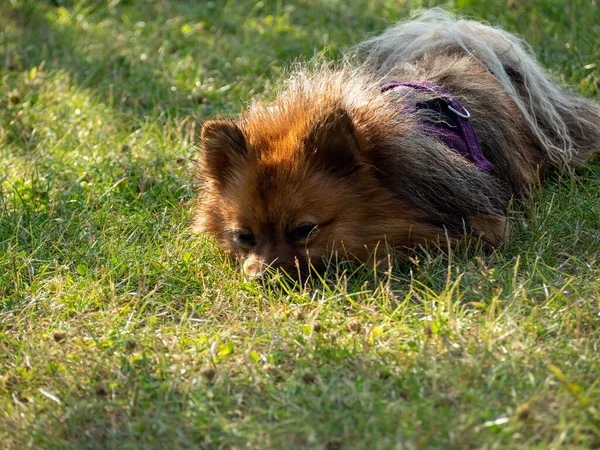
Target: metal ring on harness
464, 115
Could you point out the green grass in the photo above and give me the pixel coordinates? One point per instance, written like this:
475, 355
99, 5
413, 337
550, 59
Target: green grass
120, 329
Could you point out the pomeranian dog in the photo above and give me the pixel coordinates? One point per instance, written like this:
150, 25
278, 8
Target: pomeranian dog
424, 136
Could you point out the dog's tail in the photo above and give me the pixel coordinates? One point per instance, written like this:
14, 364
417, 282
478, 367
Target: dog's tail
566, 125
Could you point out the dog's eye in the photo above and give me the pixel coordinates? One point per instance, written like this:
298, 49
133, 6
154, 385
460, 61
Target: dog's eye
303, 231
243, 238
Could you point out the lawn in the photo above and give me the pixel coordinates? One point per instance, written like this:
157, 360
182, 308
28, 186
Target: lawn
121, 329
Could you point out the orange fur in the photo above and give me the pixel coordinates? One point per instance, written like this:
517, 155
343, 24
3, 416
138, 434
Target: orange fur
281, 185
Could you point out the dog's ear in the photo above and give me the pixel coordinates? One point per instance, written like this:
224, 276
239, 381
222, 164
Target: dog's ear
332, 143
222, 149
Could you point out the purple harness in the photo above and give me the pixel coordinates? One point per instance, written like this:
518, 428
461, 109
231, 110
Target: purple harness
457, 133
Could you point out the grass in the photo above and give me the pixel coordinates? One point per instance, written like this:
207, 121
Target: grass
120, 329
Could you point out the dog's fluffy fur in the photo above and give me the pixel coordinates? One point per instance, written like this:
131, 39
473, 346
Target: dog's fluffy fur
334, 164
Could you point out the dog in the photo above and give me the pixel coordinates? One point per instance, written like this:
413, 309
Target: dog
424, 135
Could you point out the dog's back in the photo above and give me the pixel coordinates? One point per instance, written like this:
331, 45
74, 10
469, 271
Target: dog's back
566, 126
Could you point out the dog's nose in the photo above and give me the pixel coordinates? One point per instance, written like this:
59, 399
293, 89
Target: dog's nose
255, 269
258, 275
260, 265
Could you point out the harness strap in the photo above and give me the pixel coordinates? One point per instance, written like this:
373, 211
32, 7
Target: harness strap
458, 132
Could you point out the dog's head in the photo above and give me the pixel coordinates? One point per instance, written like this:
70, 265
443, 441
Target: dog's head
288, 191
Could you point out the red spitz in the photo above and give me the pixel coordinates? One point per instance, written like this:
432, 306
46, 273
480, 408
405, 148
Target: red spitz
423, 136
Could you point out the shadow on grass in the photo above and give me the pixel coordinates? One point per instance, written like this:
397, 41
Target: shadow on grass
141, 56
181, 57
90, 56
